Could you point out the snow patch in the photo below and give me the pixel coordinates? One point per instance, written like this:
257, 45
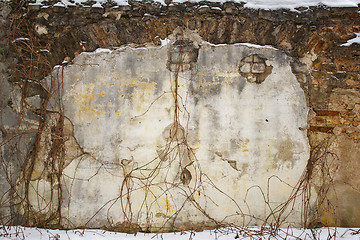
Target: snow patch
355, 40
59, 4
102, 50
244, 44
164, 42
97, 5
121, 2
26, 233
21, 39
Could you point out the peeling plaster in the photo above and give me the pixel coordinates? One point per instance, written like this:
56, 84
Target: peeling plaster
228, 130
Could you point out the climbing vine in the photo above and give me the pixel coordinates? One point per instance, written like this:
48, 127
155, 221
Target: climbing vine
40, 178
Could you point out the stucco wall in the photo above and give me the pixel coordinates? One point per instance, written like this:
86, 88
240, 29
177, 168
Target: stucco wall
105, 123
199, 154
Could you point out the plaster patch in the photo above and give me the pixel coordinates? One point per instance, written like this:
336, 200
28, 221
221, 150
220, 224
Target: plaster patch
164, 148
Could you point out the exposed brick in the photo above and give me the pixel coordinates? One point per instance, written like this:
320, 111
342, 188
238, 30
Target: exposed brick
319, 46
326, 113
321, 129
316, 121
332, 120
313, 41
313, 32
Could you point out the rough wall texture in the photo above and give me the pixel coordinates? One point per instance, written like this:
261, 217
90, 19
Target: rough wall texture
327, 73
197, 130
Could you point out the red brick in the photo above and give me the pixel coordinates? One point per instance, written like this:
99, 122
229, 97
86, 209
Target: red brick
333, 120
316, 121
321, 129
326, 113
312, 43
319, 46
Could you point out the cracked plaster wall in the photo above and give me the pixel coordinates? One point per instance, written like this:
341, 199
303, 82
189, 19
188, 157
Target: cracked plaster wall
327, 72
231, 136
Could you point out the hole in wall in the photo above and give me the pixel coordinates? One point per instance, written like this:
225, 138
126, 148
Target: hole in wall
183, 55
254, 68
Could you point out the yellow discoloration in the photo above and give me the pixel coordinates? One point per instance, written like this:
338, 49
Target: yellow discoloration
85, 96
244, 145
221, 78
204, 83
170, 209
328, 217
84, 102
142, 93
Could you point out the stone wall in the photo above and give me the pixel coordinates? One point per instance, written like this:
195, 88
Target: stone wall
305, 83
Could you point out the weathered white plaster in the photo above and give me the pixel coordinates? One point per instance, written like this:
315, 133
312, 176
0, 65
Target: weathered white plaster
242, 143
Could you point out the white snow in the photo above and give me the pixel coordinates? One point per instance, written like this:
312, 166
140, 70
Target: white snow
26, 233
243, 44
103, 50
21, 39
164, 42
353, 40
59, 4
44, 50
97, 5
